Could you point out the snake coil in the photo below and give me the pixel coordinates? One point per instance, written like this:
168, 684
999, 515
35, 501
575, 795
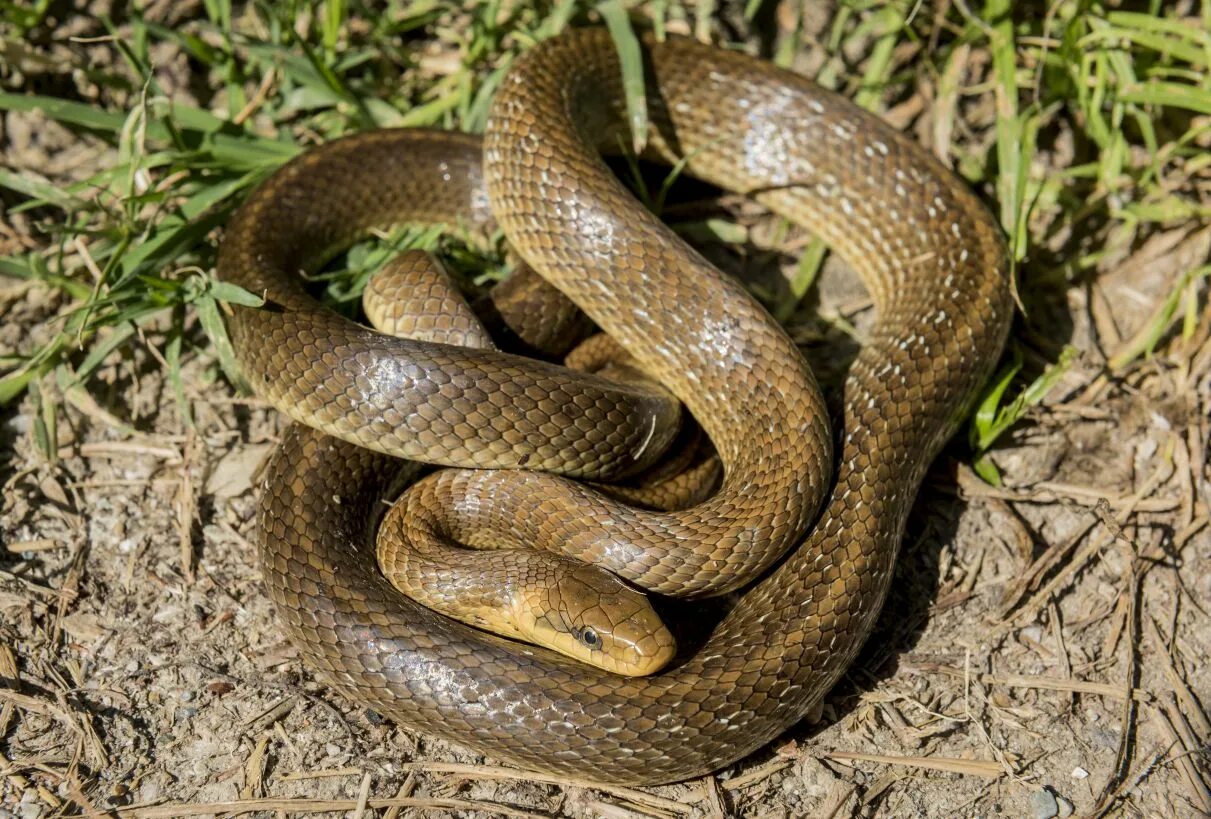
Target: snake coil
929, 252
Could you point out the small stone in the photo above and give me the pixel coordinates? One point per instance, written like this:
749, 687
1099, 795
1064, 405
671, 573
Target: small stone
1043, 804
1080, 773
1032, 633
186, 696
29, 810
1066, 807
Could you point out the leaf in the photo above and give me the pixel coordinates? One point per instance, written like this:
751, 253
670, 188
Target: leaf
986, 411
233, 293
212, 324
992, 420
987, 470
38, 189
630, 60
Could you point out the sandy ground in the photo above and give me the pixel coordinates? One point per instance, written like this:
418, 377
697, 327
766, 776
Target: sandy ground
1044, 651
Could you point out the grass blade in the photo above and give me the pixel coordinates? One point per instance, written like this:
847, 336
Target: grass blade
630, 58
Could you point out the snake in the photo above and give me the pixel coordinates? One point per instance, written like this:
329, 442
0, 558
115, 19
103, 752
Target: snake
929, 252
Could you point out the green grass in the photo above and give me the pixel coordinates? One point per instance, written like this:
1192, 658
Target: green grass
132, 247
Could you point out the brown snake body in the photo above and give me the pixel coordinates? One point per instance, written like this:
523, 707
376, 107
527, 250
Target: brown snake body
928, 251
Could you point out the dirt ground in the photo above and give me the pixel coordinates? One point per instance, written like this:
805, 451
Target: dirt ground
1044, 651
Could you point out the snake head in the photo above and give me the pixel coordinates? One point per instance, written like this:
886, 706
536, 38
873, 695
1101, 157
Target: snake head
590, 615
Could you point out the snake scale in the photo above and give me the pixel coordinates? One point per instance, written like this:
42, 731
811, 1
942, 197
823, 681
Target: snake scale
929, 252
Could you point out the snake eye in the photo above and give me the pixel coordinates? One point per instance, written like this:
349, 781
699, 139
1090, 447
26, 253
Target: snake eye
590, 638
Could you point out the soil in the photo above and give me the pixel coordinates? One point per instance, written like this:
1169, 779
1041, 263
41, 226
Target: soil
1044, 651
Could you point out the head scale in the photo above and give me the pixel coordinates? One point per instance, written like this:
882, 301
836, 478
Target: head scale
590, 615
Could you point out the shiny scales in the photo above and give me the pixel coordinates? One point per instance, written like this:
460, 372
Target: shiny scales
929, 252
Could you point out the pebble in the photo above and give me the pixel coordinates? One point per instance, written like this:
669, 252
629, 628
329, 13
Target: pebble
29, 810
1032, 633
1043, 804
1066, 807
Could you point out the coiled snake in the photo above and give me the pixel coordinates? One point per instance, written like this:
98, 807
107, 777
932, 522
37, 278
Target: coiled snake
928, 251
